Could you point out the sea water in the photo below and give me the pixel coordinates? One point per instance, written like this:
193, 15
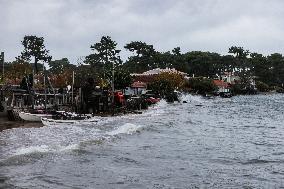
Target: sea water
204, 143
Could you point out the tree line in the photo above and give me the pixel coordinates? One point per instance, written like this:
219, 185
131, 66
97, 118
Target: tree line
104, 59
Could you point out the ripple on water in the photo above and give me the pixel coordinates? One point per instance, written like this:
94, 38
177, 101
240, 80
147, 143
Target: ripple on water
216, 143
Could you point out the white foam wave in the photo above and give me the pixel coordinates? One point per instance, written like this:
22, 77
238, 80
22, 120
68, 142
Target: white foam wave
45, 149
69, 147
33, 149
161, 104
127, 128
157, 109
193, 98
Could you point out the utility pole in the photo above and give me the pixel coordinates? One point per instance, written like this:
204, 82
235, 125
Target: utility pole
112, 87
2, 60
73, 76
45, 91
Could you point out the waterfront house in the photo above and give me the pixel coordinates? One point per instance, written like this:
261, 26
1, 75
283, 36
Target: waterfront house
230, 78
223, 87
136, 88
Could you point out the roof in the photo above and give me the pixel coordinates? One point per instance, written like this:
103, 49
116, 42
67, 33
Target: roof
231, 74
159, 71
221, 83
138, 84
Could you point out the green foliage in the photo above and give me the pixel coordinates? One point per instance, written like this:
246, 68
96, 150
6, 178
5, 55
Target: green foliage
260, 68
34, 47
262, 87
237, 89
59, 66
105, 57
276, 67
239, 52
201, 85
83, 72
204, 64
15, 71
122, 78
279, 89
173, 59
166, 83
144, 58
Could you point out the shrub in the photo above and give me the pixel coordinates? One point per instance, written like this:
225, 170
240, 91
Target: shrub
166, 83
279, 89
262, 87
201, 85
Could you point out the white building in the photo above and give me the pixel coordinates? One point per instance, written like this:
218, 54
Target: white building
230, 77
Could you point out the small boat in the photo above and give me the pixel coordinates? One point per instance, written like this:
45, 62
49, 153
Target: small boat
33, 117
226, 95
208, 96
58, 122
173, 96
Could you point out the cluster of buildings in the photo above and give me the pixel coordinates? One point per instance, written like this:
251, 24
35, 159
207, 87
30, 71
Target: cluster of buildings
224, 82
228, 79
139, 86
142, 80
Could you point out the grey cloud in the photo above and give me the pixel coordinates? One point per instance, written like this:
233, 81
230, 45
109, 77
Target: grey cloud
71, 26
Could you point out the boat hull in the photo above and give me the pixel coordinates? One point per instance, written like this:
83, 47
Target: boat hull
58, 122
33, 117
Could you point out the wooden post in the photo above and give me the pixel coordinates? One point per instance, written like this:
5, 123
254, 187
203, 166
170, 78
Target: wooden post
80, 101
33, 91
3, 62
73, 87
44, 85
112, 88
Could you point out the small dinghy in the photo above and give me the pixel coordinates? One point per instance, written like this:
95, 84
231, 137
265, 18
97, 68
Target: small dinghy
33, 117
58, 122
67, 118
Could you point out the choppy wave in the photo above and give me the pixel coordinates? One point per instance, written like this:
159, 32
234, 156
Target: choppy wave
212, 143
44, 149
32, 149
58, 139
195, 99
127, 128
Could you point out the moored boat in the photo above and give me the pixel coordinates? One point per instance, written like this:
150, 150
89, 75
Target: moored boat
33, 117
58, 122
226, 95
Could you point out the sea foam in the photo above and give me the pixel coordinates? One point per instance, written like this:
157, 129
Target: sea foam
127, 128
32, 149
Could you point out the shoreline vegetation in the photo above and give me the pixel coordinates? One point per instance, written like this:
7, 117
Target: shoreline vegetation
103, 82
104, 65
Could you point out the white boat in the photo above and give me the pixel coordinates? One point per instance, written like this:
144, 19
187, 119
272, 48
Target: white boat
26, 116
58, 122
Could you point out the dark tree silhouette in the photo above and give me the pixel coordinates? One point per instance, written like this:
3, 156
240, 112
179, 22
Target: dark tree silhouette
34, 47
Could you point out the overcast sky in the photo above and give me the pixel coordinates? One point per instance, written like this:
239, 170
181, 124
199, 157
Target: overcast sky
69, 27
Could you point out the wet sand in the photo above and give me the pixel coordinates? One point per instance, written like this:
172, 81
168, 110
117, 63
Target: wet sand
6, 124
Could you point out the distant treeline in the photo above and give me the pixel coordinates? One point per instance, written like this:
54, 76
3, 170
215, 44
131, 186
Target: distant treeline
105, 57
267, 69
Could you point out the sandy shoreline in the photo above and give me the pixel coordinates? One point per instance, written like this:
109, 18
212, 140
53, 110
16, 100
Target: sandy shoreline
6, 124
